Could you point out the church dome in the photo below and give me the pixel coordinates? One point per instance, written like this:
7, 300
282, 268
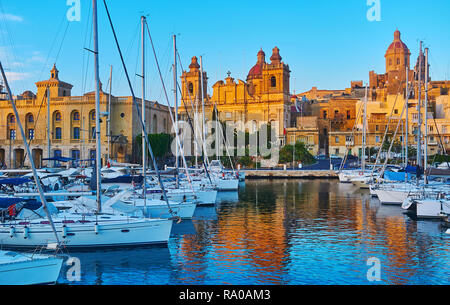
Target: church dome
256, 71
397, 46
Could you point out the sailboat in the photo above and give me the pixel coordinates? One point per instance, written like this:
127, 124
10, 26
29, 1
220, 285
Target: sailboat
28, 269
79, 230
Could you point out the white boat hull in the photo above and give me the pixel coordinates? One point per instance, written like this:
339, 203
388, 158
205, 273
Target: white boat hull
36, 271
87, 235
391, 196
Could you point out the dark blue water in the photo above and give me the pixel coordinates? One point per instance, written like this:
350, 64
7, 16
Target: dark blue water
284, 232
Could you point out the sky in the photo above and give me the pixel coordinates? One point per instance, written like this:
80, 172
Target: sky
326, 43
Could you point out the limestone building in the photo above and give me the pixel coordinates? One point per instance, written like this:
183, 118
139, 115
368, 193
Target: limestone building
72, 125
263, 98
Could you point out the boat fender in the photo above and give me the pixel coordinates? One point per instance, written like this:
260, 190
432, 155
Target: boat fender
12, 232
96, 228
64, 231
26, 232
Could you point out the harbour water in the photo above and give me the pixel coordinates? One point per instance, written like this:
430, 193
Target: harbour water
283, 232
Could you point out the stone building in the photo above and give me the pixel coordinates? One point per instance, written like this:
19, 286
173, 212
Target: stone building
72, 125
263, 98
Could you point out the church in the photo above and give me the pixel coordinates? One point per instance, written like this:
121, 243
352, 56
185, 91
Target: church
262, 99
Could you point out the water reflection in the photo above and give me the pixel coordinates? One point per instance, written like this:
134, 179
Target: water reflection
288, 232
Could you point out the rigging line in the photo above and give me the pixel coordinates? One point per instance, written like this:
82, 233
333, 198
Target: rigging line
11, 44
204, 153
387, 127
195, 136
172, 116
52, 46
129, 48
62, 42
35, 122
86, 57
155, 165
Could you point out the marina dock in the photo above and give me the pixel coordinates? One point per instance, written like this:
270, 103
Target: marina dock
290, 174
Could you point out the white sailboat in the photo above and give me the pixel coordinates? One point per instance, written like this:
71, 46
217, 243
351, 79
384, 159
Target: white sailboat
84, 230
28, 269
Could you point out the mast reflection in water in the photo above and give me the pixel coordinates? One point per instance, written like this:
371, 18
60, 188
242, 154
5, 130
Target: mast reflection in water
284, 232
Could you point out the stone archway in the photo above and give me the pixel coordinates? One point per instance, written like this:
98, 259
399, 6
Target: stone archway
19, 155
37, 157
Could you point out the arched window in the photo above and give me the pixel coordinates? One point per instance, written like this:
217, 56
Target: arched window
30, 118
273, 82
11, 119
92, 115
76, 116
191, 88
155, 124
58, 116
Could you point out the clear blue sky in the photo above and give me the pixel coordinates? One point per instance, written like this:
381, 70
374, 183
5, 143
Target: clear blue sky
327, 43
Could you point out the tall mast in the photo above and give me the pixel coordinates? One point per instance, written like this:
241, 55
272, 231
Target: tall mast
203, 111
419, 105
27, 148
109, 114
175, 96
49, 143
426, 118
363, 161
97, 110
144, 119
406, 122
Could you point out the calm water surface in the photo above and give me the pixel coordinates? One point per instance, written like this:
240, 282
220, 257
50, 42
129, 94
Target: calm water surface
284, 232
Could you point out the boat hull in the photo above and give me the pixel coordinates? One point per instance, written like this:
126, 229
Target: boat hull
36, 271
79, 235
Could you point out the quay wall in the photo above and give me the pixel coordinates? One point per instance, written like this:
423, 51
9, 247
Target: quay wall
294, 174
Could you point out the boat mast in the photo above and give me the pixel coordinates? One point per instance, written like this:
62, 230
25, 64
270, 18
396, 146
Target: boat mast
363, 161
203, 111
419, 122
27, 147
175, 95
109, 114
97, 109
406, 123
49, 143
426, 119
144, 119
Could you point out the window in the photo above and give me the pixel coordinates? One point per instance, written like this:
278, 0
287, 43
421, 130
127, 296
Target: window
76, 133
377, 139
57, 153
396, 111
76, 116
30, 134
12, 119
336, 139
324, 114
58, 133
377, 128
93, 115
348, 138
30, 118
58, 116
75, 157
336, 113
348, 114
93, 130
336, 151
431, 128
12, 134
191, 88
273, 82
